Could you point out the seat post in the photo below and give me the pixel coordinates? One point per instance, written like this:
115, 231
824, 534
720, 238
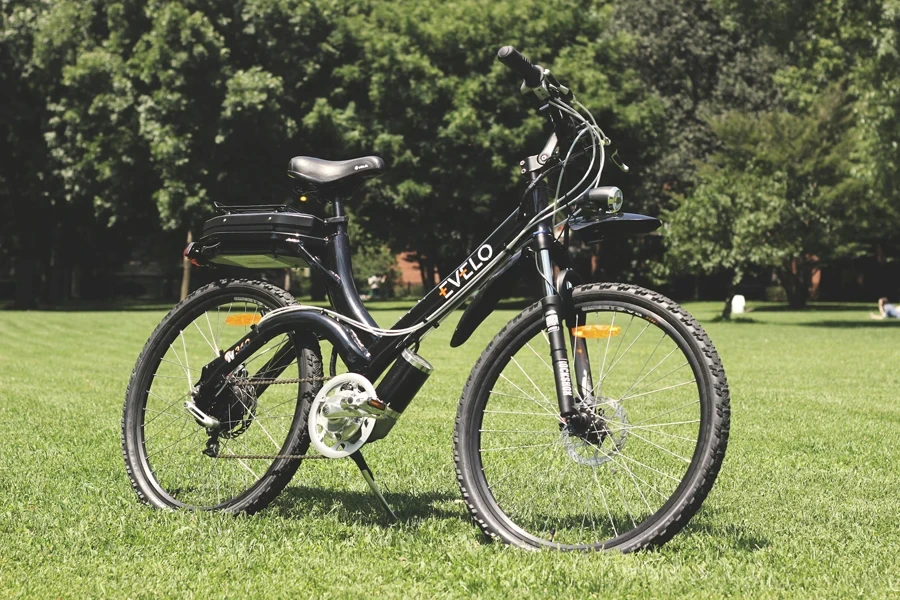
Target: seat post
338, 206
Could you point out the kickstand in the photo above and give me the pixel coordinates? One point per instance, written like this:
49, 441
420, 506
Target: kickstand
367, 475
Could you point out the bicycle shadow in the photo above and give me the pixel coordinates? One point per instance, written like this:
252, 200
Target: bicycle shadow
728, 535
364, 508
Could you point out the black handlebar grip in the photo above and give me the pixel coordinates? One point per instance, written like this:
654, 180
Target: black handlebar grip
517, 61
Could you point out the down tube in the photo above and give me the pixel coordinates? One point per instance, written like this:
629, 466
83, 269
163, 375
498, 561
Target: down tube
452, 289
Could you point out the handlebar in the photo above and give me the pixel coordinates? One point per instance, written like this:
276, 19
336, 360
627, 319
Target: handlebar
519, 63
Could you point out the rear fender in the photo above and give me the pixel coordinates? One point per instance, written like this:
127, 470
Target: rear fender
292, 319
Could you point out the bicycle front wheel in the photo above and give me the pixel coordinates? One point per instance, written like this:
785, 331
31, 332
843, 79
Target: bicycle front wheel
659, 404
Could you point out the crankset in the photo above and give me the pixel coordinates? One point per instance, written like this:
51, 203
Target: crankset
343, 414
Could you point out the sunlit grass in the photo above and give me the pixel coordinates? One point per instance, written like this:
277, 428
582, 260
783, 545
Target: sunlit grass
807, 502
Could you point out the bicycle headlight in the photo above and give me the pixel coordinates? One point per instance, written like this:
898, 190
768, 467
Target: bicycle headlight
607, 198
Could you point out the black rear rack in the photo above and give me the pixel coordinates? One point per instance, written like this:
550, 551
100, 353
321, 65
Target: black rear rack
231, 209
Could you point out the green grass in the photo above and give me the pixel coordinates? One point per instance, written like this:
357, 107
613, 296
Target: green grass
807, 503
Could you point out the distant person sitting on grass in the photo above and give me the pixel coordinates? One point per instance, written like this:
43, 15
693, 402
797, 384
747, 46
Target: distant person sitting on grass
886, 310
375, 282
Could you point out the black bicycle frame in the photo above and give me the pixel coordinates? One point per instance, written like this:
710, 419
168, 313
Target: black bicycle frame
371, 353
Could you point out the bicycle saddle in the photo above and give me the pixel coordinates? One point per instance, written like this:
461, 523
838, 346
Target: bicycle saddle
318, 172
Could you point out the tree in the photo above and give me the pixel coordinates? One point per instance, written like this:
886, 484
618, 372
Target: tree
700, 61
783, 192
165, 108
421, 86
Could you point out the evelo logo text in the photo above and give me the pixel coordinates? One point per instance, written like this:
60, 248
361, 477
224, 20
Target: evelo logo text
452, 284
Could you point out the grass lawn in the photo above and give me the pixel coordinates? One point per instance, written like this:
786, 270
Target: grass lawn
807, 504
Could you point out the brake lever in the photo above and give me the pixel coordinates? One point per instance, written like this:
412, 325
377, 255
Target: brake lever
618, 161
562, 91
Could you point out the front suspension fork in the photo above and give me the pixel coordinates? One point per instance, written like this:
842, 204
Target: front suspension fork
559, 315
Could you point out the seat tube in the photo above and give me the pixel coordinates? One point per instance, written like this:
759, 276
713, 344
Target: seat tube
553, 311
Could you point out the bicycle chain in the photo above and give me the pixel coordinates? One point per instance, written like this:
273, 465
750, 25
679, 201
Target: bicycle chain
274, 456
273, 381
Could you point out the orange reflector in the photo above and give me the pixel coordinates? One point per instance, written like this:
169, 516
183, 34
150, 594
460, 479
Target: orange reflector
243, 319
596, 331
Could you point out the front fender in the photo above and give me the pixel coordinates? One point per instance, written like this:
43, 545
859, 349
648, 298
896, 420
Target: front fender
486, 300
597, 228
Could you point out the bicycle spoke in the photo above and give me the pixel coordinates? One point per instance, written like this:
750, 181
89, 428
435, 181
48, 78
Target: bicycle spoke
622, 338
516, 447
666, 450
651, 370
541, 358
668, 412
612, 366
670, 387
186, 460
661, 377
215, 352
568, 488
528, 431
531, 381
508, 412
540, 404
612, 324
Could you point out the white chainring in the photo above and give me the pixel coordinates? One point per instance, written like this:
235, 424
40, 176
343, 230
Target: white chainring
341, 436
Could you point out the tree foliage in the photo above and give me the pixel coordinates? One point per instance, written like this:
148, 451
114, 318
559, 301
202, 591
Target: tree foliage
122, 119
783, 192
811, 180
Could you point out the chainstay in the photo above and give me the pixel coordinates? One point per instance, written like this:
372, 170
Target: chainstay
273, 456
253, 381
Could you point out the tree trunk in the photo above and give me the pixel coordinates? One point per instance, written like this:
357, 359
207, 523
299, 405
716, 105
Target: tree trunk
794, 281
726, 310
427, 266
729, 296
423, 272
75, 284
186, 270
287, 280
24, 282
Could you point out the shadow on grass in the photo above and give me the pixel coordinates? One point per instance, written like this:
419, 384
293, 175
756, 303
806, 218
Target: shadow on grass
814, 307
98, 307
362, 507
734, 536
866, 324
734, 320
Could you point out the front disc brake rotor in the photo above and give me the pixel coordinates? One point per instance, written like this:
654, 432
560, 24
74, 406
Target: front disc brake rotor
606, 439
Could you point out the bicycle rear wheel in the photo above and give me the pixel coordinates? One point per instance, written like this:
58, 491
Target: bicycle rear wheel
175, 462
659, 406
